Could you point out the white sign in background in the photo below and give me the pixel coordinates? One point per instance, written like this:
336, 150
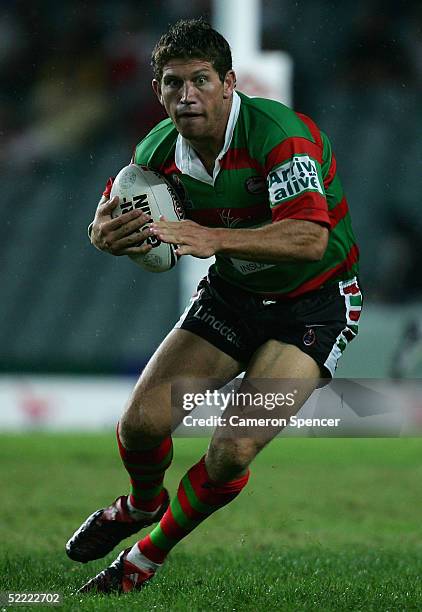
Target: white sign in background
63, 403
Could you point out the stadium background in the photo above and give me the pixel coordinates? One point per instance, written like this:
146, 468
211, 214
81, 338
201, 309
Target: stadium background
75, 99
77, 325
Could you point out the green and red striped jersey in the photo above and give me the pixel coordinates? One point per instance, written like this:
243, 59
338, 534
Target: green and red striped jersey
276, 164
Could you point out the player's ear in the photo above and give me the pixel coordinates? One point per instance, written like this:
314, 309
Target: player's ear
157, 90
229, 83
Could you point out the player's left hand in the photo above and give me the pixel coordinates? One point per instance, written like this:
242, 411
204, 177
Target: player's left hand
192, 238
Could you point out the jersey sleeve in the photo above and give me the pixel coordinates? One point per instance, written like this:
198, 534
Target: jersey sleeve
108, 187
295, 182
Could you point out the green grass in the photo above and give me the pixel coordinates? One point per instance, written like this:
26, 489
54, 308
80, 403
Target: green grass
324, 524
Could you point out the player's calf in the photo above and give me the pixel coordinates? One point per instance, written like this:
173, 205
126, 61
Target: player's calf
146, 468
229, 457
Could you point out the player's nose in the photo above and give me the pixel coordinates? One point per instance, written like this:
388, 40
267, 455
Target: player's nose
188, 93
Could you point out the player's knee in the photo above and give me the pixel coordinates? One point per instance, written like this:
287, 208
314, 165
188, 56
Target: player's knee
229, 458
139, 425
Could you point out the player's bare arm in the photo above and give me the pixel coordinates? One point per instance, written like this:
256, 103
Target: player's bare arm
122, 235
286, 240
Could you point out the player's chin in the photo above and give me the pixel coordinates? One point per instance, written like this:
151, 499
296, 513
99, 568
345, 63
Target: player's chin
194, 127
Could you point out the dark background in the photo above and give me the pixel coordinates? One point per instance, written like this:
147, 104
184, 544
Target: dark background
75, 98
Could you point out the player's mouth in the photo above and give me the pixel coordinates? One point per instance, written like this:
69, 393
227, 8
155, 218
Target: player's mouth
189, 115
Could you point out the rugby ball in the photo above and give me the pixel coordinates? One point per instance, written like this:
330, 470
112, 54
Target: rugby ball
141, 187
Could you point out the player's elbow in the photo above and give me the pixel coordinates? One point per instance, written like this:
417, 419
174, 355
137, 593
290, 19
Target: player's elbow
318, 245
317, 252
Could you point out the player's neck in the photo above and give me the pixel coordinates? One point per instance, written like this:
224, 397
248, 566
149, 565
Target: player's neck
208, 156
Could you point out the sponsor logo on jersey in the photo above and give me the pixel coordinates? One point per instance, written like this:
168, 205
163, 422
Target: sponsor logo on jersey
255, 185
249, 267
293, 178
309, 337
225, 330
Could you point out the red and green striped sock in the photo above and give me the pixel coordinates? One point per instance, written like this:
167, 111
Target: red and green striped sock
146, 469
197, 498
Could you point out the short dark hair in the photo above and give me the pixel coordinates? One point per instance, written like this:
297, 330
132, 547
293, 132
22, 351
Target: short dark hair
192, 39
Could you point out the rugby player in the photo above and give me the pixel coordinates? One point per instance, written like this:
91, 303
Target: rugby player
261, 192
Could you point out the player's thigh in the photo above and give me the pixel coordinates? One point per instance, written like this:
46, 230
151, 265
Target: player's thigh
274, 368
284, 368
182, 356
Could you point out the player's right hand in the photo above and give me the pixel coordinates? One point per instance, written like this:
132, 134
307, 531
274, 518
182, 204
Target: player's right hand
120, 235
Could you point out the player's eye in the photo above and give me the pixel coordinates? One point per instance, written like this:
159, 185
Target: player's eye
173, 83
201, 80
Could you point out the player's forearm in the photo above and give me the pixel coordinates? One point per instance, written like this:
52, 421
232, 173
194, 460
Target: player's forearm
287, 240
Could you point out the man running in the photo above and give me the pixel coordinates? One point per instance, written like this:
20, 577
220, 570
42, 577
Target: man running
261, 192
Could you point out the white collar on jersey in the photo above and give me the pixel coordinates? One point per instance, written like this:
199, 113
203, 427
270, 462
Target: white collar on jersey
186, 158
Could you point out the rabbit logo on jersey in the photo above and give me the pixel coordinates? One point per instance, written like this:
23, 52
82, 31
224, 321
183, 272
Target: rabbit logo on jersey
297, 175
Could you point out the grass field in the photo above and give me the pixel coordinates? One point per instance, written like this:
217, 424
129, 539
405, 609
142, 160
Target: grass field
324, 524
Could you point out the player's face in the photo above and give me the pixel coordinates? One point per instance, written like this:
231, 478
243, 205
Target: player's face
195, 98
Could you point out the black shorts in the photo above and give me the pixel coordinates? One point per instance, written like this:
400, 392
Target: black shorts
320, 323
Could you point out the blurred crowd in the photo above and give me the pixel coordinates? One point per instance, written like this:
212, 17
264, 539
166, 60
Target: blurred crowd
76, 75
74, 69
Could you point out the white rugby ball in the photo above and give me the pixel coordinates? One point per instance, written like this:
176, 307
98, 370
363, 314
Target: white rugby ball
140, 187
